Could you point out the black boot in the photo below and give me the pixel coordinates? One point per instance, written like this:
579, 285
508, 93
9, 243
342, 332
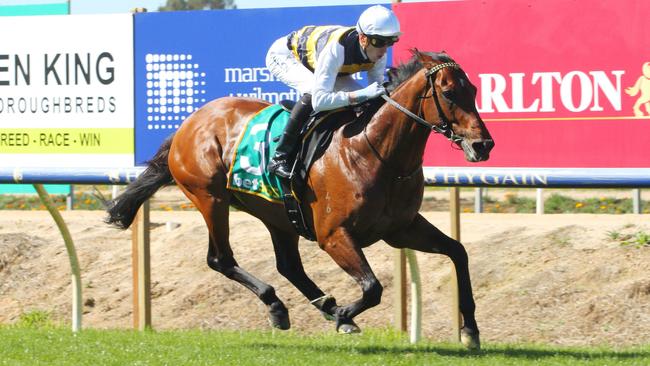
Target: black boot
282, 161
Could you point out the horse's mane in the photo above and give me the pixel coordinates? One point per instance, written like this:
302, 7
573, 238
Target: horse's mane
404, 71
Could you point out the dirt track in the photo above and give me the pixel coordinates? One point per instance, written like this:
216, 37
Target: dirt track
555, 279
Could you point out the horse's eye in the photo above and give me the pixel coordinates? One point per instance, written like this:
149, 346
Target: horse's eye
448, 94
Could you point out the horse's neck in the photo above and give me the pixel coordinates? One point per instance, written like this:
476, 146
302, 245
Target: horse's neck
399, 140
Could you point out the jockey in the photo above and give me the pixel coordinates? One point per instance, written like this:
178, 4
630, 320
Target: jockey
319, 62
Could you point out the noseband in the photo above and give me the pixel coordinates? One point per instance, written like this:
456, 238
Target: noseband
444, 125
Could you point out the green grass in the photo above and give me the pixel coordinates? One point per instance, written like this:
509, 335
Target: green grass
56, 346
520, 201
81, 201
86, 198
638, 240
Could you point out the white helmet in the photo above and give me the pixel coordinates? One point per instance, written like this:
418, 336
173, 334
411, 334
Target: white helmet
378, 21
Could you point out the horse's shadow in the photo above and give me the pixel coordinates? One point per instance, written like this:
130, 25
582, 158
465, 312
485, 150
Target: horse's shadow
521, 352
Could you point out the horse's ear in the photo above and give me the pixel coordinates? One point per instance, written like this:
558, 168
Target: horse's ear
422, 57
417, 54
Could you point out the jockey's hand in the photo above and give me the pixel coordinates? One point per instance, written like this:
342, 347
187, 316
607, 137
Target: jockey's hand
371, 91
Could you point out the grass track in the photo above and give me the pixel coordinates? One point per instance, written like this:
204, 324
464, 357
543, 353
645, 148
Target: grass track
57, 346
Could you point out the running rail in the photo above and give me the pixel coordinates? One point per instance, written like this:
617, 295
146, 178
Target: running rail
443, 176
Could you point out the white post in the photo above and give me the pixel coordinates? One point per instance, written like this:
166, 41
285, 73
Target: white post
540, 201
478, 200
77, 308
636, 201
416, 297
69, 199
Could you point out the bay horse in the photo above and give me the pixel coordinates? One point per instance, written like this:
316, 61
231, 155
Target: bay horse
367, 186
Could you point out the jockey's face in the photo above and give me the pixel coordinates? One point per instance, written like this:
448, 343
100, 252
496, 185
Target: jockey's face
374, 53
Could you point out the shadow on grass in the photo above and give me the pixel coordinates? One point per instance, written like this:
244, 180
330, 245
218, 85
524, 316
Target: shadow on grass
521, 352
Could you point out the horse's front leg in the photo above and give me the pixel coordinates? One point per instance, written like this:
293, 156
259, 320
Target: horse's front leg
423, 236
289, 264
349, 256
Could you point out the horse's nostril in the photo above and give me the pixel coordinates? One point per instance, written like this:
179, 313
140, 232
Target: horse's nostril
483, 146
489, 144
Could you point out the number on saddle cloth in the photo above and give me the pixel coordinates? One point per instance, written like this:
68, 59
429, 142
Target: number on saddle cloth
256, 145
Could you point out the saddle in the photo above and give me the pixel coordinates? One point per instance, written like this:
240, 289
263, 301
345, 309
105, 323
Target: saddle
316, 136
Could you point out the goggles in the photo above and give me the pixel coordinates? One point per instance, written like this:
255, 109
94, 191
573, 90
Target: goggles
380, 41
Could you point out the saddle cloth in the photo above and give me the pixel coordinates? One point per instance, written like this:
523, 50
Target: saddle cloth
256, 145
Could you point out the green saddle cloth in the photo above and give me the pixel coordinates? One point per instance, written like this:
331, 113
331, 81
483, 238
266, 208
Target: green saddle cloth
256, 145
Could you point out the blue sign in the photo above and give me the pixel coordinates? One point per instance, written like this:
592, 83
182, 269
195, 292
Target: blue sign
186, 59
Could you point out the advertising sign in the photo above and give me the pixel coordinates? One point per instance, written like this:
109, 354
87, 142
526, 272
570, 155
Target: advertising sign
66, 91
562, 84
40, 9
185, 59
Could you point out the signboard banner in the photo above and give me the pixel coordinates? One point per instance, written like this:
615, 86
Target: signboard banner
562, 84
67, 92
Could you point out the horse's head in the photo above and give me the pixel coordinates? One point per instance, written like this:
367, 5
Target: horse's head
448, 103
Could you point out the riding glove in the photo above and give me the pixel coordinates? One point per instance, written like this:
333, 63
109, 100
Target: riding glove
371, 91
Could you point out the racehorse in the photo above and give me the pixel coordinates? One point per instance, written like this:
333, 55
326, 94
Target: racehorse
367, 186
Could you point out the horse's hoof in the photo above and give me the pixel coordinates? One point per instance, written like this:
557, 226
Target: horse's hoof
279, 316
470, 339
349, 329
347, 326
326, 305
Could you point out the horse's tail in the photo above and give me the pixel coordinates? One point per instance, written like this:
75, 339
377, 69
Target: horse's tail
122, 209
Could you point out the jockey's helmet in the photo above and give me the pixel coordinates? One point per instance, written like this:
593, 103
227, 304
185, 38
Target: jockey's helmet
379, 21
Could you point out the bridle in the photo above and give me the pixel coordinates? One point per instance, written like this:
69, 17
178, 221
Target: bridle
444, 125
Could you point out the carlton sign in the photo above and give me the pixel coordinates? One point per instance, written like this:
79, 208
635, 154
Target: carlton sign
557, 87
546, 85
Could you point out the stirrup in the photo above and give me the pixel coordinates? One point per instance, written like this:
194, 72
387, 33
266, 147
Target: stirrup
280, 168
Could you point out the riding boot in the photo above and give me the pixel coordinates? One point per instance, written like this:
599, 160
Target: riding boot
282, 161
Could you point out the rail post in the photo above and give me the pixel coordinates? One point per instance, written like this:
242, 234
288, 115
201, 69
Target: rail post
141, 269
72, 256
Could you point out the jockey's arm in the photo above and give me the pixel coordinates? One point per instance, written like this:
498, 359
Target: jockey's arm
329, 63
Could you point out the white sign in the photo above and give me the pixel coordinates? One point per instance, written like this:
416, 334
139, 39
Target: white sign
66, 91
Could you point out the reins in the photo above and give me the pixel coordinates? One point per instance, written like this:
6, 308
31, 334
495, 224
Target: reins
444, 122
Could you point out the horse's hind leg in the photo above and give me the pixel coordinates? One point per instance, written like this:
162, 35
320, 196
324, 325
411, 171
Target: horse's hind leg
220, 256
289, 264
423, 236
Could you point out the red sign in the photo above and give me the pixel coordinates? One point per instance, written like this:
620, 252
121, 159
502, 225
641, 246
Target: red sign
561, 83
